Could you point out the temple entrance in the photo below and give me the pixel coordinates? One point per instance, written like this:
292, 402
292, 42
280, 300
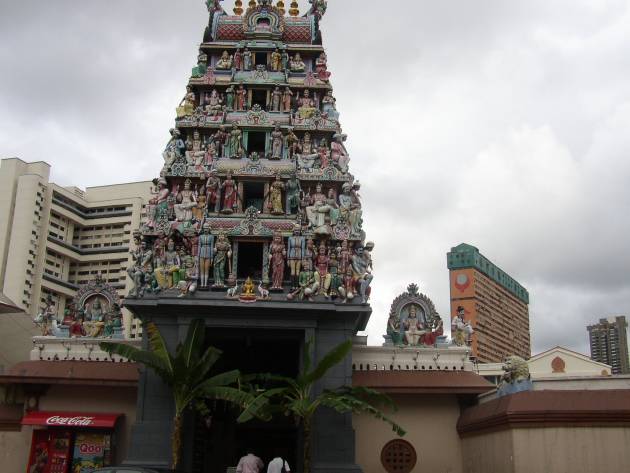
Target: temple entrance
219, 441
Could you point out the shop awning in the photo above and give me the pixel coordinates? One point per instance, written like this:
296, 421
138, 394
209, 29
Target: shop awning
82, 420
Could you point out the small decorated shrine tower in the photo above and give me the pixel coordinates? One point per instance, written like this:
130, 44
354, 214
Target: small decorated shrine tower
255, 226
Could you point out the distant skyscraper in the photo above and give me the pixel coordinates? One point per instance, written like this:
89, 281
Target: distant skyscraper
609, 343
494, 303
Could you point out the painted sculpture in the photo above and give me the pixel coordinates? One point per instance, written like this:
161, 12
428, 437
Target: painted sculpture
255, 195
413, 321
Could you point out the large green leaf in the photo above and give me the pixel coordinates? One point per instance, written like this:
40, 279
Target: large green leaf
332, 358
190, 351
148, 358
158, 346
260, 407
203, 366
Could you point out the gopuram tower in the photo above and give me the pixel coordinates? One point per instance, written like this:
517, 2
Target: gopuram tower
255, 226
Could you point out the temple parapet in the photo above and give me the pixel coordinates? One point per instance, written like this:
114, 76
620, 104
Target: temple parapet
74, 349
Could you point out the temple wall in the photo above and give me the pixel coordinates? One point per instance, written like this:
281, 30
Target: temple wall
14, 449
430, 422
491, 452
571, 449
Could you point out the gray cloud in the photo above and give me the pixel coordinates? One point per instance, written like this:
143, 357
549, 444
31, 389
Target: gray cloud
501, 124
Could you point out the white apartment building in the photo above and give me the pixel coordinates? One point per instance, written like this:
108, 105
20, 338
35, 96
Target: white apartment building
53, 238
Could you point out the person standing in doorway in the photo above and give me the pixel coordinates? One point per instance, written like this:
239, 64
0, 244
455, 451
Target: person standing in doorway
278, 464
250, 463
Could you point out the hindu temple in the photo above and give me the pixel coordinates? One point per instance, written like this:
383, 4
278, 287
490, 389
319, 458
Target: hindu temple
256, 226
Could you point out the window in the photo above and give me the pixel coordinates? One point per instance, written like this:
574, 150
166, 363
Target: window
250, 260
254, 195
257, 142
259, 97
398, 456
261, 58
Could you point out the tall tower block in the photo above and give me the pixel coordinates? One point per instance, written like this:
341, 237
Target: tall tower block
494, 303
256, 227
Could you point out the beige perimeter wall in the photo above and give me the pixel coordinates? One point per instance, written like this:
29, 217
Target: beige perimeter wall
430, 422
549, 450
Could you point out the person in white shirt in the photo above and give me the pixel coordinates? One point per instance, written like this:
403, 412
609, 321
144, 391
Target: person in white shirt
275, 466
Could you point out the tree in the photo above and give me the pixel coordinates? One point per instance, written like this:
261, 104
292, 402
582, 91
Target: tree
296, 397
186, 373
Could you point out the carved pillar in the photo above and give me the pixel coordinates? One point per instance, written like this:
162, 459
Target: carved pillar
241, 194
265, 209
265, 262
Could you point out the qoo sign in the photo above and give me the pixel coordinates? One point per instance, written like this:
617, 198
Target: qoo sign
78, 421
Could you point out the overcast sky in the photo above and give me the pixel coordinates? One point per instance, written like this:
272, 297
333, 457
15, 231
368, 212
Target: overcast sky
503, 124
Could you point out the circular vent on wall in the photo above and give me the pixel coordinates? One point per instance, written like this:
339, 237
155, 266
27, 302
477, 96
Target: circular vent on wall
398, 456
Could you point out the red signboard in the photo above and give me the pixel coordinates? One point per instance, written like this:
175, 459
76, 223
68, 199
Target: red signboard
71, 419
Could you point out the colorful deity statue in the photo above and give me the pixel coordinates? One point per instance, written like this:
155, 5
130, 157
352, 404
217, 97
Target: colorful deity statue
238, 60
321, 67
308, 154
296, 64
275, 196
202, 65
306, 105
213, 190
276, 60
292, 144
230, 195
307, 284
222, 255
175, 148
329, 106
338, 153
230, 94
318, 212
414, 327
205, 254
241, 98
276, 99
214, 104
461, 330
296, 249
224, 62
277, 255
322, 276
350, 208
285, 60
220, 140
247, 60
188, 283
235, 144
142, 263
186, 202
293, 190
287, 98
188, 104
324, 153
277, 140
362, 272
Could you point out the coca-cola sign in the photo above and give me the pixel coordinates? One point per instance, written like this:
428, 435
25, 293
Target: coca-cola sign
83, 421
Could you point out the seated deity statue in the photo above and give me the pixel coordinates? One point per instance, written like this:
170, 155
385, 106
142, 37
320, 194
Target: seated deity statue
306, 105
186, 202
296, 64
214, 103
318, 212
309, 154
187, 105
224, 62
414, 328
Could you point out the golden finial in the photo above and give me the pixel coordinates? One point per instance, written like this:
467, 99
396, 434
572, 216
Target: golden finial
238, 7
252, 3
295, 9
281, 7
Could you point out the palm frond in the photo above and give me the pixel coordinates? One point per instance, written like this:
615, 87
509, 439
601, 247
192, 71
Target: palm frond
190, 351
332, 358
148, 358
158, 345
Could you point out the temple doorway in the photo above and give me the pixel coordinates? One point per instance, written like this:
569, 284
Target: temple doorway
219, 441
250, 260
